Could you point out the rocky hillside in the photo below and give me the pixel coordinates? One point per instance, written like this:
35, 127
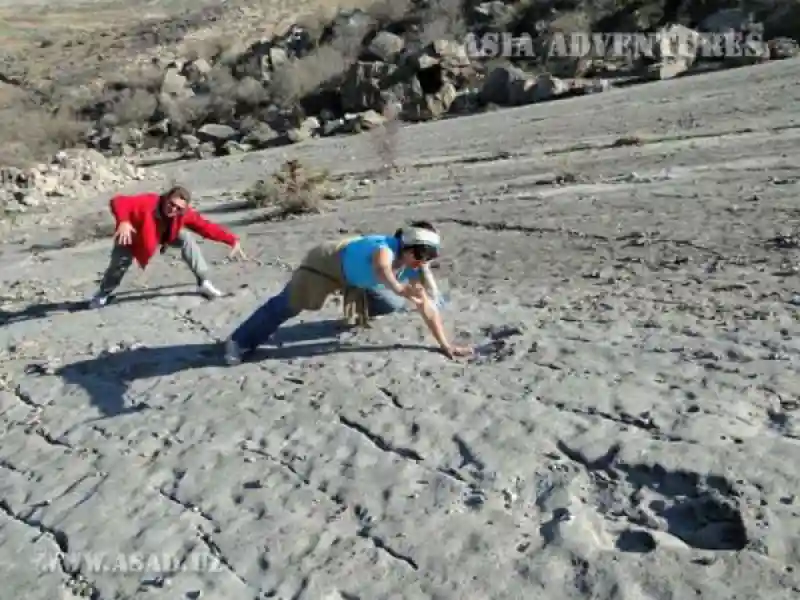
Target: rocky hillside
399, 59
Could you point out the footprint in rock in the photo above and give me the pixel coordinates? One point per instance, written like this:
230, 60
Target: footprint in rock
496, 345
474, 498
636, 541
700, 511
365, 520
501, 332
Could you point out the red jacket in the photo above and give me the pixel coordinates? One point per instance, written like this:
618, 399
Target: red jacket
140, 211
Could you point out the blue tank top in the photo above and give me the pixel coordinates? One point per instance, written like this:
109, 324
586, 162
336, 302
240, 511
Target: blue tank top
358, 261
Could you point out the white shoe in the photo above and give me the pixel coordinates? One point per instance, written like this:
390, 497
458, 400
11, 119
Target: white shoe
208, 290
233, 354
98, 301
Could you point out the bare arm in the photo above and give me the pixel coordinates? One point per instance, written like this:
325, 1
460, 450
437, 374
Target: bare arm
427, 279
382, 261
433, 321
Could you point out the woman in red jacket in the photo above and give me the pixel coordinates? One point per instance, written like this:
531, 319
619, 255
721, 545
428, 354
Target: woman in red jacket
147, 221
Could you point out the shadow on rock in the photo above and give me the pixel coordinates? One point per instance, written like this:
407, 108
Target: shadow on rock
106, 378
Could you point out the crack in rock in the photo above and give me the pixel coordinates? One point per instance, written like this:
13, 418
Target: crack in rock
500, 226
25, 398
217, 553
642, 423
380, 442
364, 532
393, 398
190, 507
9, 466
73, 573
635, 238
47, 437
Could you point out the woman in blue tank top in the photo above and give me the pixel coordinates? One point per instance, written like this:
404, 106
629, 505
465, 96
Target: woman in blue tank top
391, 272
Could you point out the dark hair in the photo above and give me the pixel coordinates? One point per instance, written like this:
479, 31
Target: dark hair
179, 191
419, 252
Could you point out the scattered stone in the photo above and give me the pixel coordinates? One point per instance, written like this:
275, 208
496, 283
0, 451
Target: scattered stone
783, 48
71, 174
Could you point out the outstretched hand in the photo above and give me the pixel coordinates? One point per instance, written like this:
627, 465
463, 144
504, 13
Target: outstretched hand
458, 351
237, 252
123, 235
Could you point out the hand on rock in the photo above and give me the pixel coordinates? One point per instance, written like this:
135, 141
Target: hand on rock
237, 252
458, 351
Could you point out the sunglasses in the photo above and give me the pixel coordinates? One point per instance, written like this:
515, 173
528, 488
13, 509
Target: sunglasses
425, 253
172, 205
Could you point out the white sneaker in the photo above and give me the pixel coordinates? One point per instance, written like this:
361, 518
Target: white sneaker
208, 290
233, 354
98, 301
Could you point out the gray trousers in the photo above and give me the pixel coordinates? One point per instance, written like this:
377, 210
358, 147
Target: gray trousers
122, 259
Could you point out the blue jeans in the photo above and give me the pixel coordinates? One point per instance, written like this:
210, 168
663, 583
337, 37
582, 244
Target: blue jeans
268, 317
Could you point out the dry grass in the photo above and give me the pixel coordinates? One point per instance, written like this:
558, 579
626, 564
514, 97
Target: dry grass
294, 79
30, 134
444, 20
290, 191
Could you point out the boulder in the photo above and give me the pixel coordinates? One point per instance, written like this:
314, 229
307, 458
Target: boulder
260, 136
448, 56
426, 107
666, 69
216, 133
307, 129
495, 16
783, 48
195, 71
355, 123
175, 85
260, 60
384, 47
350, 26
676, 50
188, 142
497, 84
363, 86
535, 89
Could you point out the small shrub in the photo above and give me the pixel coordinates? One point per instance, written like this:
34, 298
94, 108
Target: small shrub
135, 107
148, 77
631, 140
389, 11
222, 100
291, 191
294, 79
31, 135
444, 19
211, 48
